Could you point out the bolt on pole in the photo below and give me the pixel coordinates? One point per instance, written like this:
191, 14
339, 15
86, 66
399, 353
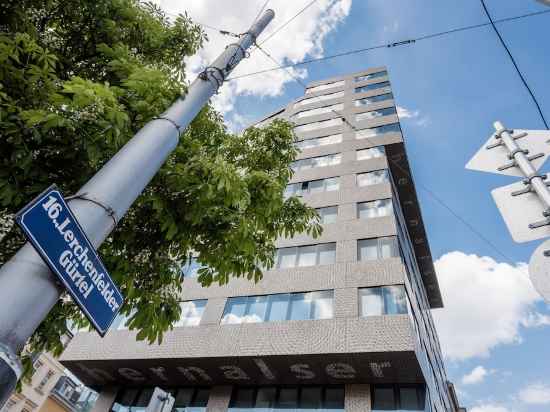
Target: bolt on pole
28, 289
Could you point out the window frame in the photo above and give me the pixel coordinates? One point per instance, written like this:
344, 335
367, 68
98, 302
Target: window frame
370, 76
380, 112
395, 240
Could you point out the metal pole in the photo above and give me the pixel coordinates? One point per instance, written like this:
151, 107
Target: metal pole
28, 290
537, 183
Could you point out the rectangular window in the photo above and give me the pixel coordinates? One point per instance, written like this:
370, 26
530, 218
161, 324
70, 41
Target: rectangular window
320, 161
377, 248
375, 177
365, 101
319, 98
289, 398
383, 300
371, 153
191, 313
385, 86
328, 214
325, 86
373, 114
319, 141
319, 125
398, 397
319, 110
375, 208
371, 76
300, 256
314, 186
186, 399
377, 131
279, 307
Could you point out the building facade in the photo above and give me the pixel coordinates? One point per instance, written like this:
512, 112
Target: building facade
342, 322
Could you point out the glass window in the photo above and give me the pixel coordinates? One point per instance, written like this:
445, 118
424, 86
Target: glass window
319, 141
384, 399
288, 398
367, 249
293, 189
388, 247
325, 86
334, 399
286, 257
235, 309
322, 304
327, 253
371, 301
318, 125
372, 178
313, 186
371, 153
381, 85
191, 312
375, 208
376, 131
321, 98
265, 398
383, 300
277, 307
307, 255
185, 399
371, 76
332, 184
255, 311
321, 161
365, 101
311, 397
319, 110
300, 306
373, 114
328, 214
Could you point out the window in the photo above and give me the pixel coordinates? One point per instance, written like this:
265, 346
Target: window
319, 110
375, 177
375, 208
319, 98
290, 398
373, 114
299, 256
365, 101
45, 380
398, 397
371, 76
371, 153
383, 300
328, 214
313, 186
319, 141
191, 268
377, 131
320, 161
191, 313
37, 365
324, 86
377, 248
318, 125
186, 399
385, 86
279, 307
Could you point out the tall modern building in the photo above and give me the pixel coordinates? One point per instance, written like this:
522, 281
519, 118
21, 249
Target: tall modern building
342, 323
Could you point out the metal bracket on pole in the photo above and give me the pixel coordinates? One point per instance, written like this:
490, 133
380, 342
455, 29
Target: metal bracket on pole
497, 136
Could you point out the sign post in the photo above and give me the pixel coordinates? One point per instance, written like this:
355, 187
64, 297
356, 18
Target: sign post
53, 230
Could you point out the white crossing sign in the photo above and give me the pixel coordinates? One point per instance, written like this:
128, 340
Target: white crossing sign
494, 156
539, 270
520, 211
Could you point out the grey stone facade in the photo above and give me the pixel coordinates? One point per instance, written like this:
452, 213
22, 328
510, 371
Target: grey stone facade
347, 349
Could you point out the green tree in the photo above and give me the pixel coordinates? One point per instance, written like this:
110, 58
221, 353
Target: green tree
81, 77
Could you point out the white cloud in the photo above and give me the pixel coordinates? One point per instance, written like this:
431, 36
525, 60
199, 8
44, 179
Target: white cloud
302, 37
535, 394
414, 115
477, 375
489, 408
486, 303
535, 320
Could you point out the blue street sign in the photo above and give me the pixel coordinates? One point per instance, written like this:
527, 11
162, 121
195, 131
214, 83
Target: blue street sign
51, 227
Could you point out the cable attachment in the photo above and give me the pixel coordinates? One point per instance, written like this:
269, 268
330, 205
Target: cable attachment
233, 61
177, 126
214, 75
83, 196
516, 151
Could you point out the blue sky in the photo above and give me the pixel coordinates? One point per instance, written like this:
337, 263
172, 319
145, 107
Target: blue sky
453, 87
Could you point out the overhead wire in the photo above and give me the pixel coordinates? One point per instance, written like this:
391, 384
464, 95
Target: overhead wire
408, 173
520, 74
260, 12
388, 45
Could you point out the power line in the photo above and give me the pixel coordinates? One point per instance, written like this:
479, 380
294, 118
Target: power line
282, 26
260, 12
207, 26
520, 74
389, 45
